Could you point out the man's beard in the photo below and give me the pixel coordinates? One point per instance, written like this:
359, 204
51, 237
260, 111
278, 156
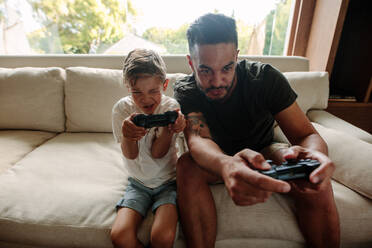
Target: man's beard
227, 88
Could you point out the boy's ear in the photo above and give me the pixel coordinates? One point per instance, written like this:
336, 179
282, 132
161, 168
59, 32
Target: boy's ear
165, 84
128, 87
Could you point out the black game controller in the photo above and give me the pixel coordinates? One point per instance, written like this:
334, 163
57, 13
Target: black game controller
291, 169
159, 120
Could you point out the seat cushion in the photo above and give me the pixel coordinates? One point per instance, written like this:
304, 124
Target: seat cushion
63, 194
32, 98
273, 222
16, 144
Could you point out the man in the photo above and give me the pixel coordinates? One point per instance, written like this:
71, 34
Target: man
231, 107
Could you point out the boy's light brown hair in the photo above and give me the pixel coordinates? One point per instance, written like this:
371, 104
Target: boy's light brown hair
143, 63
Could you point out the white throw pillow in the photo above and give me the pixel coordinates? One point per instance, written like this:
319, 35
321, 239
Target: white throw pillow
90, 95
312, 89
32, 98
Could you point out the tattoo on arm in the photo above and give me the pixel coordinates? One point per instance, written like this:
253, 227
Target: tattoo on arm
196, 124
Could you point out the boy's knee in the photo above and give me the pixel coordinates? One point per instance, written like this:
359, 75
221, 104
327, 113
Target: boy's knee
123, 238
162, 238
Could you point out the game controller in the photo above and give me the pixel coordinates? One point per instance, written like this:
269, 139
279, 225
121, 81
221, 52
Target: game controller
291, 169
159, 120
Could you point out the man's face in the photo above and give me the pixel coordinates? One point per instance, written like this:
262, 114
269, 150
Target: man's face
214, 69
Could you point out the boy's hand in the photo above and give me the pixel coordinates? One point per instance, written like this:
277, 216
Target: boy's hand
180, 123
131, 131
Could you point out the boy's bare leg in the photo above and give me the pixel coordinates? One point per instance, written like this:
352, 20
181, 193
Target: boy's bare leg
124, 229
196, 203
163, 230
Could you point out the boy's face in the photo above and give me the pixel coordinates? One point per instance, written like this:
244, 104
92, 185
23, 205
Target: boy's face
146, 93
214, 69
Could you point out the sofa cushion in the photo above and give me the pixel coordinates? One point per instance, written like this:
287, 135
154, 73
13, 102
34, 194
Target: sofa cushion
329, 120
16, 144
90, 95
355, 213
312, 89
32, 98
262, 225
63, 194
351, 156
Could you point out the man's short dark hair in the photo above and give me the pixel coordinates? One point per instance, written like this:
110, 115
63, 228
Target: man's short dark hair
212, 29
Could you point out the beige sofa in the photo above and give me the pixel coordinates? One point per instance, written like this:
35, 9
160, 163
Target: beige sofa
61, 172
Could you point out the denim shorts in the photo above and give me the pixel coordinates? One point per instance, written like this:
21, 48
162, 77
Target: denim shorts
140, 198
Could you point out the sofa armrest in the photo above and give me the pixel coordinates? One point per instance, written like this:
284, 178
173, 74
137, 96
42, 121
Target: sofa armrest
351, 156
326, 119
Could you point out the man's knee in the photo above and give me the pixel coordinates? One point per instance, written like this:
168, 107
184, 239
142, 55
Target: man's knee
190, 176
187, 167
317, 197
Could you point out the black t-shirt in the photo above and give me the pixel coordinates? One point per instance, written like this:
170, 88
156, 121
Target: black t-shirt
246, 118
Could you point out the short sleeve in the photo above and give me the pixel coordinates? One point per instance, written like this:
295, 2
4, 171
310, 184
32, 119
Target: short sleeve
277, 93
187, 95
171, 105
119, 114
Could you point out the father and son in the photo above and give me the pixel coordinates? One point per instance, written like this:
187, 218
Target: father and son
226, 109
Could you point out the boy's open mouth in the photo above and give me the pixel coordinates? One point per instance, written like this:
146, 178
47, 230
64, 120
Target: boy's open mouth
148, 107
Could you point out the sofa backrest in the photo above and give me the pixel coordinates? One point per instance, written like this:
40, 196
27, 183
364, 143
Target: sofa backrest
175, 63
80, 99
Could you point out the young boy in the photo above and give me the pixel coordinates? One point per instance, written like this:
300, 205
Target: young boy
149, 155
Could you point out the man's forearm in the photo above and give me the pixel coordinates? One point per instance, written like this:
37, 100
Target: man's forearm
315, 142
208, 155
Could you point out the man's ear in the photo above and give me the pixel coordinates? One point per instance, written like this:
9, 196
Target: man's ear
190, 62
165, 84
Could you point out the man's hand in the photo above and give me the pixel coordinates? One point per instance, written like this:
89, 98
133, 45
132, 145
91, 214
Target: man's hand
131, 131
246, 186
180, 123
319, 176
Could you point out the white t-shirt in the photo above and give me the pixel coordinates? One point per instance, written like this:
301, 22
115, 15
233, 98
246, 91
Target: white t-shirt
149, 171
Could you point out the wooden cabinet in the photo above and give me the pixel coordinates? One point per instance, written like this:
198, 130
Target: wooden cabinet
352, 69
336, 36
351, 74
358, 114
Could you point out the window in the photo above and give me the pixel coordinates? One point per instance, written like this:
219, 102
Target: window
118, 26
